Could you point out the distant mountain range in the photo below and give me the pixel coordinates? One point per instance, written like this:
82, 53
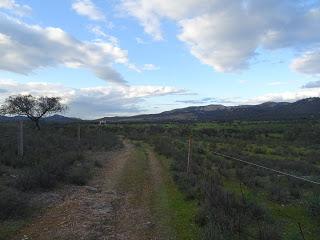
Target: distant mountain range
308, 108
54, 118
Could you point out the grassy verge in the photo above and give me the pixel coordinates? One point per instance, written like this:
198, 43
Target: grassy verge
171, 209
135, 175
171, 213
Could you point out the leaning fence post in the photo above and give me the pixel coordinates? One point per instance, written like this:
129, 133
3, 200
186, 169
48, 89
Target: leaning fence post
20, 138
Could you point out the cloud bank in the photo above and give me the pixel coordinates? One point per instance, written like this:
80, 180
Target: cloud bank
308, 63
227, 35
25, 48
94, 102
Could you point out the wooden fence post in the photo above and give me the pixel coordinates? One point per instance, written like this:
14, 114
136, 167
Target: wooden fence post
79, 133
20, 138
189, 154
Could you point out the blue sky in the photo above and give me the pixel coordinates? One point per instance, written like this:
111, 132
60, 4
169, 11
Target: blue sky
125, 57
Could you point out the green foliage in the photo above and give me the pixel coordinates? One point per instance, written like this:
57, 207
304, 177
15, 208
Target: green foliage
313, 205
52, 156
270, 205
12, 203
79, 174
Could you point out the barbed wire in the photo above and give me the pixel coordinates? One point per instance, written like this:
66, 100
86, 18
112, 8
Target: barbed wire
266, 168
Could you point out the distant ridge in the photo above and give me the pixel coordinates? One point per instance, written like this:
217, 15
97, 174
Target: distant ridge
308, 108
54, 118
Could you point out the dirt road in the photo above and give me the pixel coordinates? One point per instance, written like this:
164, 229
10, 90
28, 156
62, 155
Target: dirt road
119, 203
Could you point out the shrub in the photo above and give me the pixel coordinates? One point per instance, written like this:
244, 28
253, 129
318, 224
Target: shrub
79, 175
270, 232
47, 173
313, 205
213, 231
12, 203
98, 164
34, 178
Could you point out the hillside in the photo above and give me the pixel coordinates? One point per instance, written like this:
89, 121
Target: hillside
54, 118
307, 108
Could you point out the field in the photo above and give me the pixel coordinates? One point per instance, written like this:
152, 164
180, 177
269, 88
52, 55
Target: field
236, 200
219, 198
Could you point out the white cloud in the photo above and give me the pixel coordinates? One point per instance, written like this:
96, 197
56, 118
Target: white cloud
97, 31
150, 12
150, 67
208, 100
308, 63
94, 102
25, 48
88, 9
289, 96
226, 35
314, 84
18, 9
219, 41
276, 83
140, 40
309, 90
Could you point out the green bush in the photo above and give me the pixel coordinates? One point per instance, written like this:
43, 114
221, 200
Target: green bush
79, 175
12, 203
270, 232
313, 205
35, 178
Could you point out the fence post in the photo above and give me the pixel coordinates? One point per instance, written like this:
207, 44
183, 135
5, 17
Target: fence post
20, 138
79, 133
189, 154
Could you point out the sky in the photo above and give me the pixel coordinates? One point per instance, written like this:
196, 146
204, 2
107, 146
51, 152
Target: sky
127, 57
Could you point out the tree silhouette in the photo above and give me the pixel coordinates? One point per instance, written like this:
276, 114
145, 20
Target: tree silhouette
32, 107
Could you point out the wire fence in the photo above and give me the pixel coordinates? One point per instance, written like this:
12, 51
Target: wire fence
19, 139
297, 224
267, 168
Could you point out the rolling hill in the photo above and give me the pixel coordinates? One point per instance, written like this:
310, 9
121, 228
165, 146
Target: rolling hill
54, 118
308, 108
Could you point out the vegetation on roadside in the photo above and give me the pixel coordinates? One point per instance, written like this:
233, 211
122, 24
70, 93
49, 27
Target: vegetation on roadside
237, 200
52, 156
171, 208
151, 187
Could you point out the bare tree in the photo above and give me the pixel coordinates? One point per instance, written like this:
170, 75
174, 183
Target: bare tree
32, 107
